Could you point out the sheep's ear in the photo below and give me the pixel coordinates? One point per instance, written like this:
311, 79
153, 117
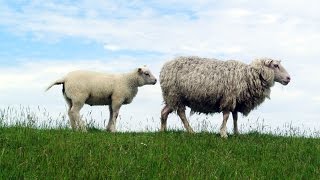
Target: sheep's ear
268, 62
265, 75
140, 70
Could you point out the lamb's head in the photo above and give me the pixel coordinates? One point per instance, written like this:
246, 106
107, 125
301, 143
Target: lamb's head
274, 70
145, 76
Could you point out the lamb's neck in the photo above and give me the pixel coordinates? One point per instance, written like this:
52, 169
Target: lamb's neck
132, 79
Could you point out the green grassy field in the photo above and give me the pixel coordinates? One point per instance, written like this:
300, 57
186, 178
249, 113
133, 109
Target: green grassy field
64, 154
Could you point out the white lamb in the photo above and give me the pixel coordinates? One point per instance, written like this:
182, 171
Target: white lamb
94, 88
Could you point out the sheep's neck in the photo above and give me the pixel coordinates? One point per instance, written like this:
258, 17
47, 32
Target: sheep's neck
260, 89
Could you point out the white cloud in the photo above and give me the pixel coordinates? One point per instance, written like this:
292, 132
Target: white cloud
111, 47
286, 93
257, 31
39, 75
316, 99
269, 19
238, 13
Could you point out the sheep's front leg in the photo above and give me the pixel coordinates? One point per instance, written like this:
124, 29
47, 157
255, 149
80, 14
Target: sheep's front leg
235, 122
223, 129
182, 115
164, 116
114, 112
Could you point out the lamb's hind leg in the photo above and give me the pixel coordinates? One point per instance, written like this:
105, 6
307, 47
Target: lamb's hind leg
182, 114
69, 102
164, 116
74, 115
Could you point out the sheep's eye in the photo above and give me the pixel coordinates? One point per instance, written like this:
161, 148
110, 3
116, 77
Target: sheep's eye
147, 74
276, 66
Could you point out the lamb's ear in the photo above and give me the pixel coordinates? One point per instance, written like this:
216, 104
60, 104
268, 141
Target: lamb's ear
140, 70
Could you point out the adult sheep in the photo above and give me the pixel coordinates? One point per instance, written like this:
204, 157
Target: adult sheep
210, 86
94, 88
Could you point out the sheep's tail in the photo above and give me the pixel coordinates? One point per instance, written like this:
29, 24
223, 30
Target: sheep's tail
57, 82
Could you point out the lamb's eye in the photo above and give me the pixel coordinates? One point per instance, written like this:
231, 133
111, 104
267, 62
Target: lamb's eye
147, 74
276, 66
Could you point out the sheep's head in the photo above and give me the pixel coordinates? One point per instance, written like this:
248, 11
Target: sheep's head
271, 71
280, 73
146, 76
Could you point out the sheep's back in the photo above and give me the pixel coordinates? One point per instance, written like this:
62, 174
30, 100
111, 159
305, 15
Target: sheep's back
205, 85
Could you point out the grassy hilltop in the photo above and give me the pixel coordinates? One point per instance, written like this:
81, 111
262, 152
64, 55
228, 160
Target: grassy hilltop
64, 154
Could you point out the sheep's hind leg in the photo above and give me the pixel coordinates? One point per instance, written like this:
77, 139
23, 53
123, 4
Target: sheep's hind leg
182, 115
74, 115
164, 116
235, 122
114, 112
223, 129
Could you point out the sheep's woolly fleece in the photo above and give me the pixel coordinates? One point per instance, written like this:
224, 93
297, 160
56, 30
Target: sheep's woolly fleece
210, 85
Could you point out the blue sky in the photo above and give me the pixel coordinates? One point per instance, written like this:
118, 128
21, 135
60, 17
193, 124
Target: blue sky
43, 40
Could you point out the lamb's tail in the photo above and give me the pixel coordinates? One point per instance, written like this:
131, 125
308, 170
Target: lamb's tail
57, 82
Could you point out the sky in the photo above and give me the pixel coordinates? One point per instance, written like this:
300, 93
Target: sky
43, 40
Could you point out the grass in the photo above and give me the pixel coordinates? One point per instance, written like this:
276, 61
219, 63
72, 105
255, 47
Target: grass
31, 148
31, 153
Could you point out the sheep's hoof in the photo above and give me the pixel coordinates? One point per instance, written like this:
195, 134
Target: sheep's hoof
111, 130
223, 134
191, 131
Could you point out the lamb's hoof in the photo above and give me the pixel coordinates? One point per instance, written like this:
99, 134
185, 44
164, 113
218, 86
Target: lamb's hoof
81, 129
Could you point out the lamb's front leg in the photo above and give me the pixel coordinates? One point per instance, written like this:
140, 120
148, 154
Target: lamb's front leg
110, 118
114, 112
